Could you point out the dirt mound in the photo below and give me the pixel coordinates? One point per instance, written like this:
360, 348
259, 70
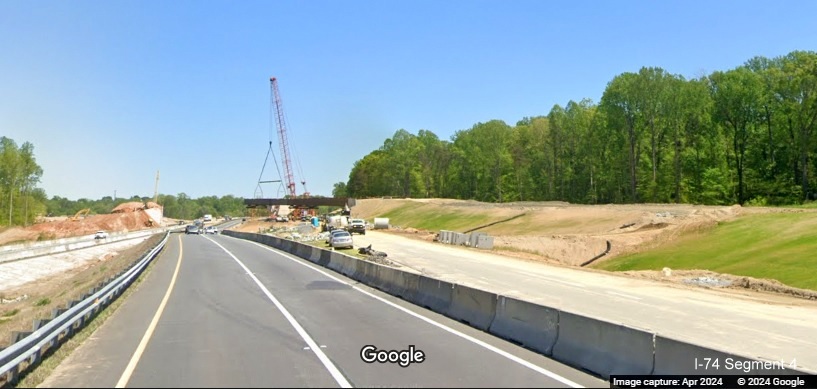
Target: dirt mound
115, 222
151, 204
652, 226
132, 206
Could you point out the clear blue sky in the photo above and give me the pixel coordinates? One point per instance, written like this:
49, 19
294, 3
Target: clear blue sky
109, 92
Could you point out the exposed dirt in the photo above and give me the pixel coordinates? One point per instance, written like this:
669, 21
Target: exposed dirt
125, 217
569, 235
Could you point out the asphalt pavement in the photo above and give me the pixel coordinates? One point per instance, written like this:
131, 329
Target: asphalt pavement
216, 311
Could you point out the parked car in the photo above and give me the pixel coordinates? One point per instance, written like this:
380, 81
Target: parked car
342, 239
332, 234
101, 235
192, 229
357, 225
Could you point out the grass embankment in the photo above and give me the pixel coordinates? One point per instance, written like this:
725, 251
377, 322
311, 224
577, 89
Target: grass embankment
429, 217
779, 246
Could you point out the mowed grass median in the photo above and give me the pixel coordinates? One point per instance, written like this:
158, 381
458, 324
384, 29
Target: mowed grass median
779, 246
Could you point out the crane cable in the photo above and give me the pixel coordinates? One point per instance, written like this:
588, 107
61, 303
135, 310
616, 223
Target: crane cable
269, 151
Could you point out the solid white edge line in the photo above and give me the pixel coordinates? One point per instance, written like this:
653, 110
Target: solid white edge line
327, 363
137, 355
478, 342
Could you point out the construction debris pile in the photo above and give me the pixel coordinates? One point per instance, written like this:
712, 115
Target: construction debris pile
375, 256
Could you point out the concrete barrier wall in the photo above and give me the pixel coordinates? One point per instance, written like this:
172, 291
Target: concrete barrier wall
678, 357
474, 306
594, 345
533, 326
601, 347
433, 294
340, 263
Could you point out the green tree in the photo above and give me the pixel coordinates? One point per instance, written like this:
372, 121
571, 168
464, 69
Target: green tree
19, 175
339, 190
738, 102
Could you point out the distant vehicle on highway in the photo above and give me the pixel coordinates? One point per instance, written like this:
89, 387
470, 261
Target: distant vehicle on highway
192, 229
101, 235
357, 225
208, 217
210, 230
342, 239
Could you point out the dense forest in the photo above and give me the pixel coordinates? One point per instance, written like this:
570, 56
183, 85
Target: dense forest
742, 136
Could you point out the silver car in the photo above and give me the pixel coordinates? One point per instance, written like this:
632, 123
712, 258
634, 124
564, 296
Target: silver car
341, 240
331, 235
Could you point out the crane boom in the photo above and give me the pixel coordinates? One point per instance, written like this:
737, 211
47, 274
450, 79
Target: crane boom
282, 137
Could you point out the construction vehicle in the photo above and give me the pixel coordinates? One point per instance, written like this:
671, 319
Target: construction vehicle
80, 214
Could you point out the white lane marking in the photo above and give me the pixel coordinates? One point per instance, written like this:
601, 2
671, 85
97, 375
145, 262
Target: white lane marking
436, 324
137, 355
333, 370
623, 295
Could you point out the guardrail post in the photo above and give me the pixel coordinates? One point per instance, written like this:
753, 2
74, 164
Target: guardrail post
39, 323
17, 335
56, 312
13, 376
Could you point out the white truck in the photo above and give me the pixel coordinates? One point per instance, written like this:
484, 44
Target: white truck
208, 217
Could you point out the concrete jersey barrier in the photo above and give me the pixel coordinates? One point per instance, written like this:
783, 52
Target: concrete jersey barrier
533, 326
593, 345
602, 347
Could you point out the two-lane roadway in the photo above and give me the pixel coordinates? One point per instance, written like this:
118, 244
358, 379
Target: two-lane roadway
217, 311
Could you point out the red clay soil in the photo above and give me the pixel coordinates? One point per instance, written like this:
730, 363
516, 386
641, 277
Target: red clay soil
122, 221
132, 206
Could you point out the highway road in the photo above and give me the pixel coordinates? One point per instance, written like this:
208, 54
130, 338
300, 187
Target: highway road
217, 311
768, 327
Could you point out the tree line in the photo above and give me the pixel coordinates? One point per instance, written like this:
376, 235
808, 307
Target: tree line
22, 202
180, 206
744, 135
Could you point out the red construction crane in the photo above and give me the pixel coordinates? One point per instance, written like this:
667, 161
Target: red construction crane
282, 137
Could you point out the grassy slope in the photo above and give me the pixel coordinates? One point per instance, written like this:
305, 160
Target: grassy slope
429, 217
780, 246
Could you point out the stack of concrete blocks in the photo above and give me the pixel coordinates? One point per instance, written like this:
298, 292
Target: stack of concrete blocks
485, 242
445, 237
458, 238
475, 239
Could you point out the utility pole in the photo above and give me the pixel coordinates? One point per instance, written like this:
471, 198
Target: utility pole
156, 189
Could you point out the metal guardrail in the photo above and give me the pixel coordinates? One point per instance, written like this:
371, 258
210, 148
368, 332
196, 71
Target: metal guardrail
48, 337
